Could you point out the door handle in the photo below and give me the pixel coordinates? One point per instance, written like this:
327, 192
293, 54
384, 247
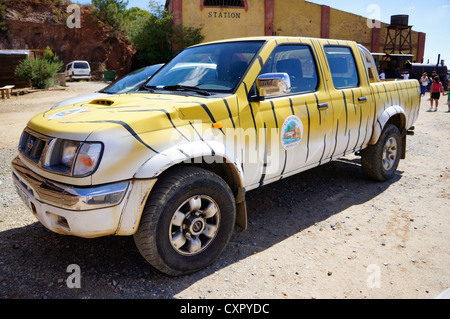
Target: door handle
362, 99
322, 106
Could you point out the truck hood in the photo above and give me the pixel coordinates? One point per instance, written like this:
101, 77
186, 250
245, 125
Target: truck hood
137, 113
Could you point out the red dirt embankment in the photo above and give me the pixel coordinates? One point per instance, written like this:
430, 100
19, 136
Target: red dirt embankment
34, 25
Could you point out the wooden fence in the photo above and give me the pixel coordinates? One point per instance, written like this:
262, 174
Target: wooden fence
8, 64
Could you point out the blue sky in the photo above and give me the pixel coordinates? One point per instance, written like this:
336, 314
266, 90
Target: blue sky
429, 16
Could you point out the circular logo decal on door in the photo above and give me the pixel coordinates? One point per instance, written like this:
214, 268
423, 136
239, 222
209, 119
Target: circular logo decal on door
291, 132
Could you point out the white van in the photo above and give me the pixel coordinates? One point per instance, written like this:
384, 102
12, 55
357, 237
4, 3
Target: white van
78, 70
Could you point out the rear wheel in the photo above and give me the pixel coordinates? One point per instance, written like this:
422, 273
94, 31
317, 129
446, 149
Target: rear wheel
187, 222
380, 161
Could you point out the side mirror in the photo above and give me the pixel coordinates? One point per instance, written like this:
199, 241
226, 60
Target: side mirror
273, 84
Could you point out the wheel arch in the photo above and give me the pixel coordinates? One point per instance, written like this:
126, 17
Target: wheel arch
394, 115
209, 155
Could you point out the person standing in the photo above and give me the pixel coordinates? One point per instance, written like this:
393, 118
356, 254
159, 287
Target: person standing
431, 79
436, 89
433, 75
423, 84
448, 101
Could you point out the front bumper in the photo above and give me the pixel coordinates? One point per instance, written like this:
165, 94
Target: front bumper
79, 77
112, 209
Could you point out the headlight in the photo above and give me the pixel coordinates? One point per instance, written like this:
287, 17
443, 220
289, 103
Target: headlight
77, 158
68, 152
60, 156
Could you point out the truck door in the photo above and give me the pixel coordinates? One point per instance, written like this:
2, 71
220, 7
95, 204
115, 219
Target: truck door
351, 97
295, 128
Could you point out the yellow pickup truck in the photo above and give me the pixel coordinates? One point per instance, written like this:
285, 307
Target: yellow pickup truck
171, 163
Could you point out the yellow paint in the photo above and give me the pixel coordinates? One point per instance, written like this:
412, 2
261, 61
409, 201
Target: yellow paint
297, 18
291, 18
223, 23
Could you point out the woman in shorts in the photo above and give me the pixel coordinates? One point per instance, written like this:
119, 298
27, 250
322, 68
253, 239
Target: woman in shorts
436, 89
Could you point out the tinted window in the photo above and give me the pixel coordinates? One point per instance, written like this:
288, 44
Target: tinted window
224, 3
298, 62
81, 65
342, 66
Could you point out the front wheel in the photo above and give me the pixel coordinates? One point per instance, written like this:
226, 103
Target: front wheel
380, 161
187, 222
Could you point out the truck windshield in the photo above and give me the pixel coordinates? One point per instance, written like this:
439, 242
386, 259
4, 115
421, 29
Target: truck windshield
207, 69
132, 81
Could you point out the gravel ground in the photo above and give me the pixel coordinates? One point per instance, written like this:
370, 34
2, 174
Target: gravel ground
325, 233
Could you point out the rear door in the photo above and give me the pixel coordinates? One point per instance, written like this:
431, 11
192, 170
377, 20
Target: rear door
351, 97
81, 68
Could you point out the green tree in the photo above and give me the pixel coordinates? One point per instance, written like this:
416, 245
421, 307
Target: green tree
157, 39
3, 8
136, 13
50, 56
134, 18
111, 12
53, 58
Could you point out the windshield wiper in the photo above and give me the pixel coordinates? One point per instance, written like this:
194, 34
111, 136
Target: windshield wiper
105, 92
149, 88
186, 88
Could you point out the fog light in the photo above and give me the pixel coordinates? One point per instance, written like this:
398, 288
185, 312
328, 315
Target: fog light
58, 221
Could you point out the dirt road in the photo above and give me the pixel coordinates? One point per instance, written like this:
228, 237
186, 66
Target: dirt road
326, 233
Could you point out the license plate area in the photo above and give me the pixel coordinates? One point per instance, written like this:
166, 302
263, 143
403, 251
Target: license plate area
24, 197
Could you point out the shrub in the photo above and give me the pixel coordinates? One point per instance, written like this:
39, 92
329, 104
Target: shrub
39, 71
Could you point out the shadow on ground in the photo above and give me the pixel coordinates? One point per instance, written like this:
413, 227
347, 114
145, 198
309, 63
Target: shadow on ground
34, 261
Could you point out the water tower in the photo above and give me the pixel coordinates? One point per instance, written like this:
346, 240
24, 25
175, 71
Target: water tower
397, 57
398, 39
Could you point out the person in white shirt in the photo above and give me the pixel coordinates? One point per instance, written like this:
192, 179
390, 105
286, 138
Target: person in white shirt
423, 84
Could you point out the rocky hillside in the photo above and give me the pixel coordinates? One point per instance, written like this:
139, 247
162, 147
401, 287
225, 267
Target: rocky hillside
32, 24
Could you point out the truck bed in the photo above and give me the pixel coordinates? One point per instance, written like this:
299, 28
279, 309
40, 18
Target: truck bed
393, 97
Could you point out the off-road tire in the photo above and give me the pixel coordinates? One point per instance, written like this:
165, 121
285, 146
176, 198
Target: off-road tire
154, 238
380, 161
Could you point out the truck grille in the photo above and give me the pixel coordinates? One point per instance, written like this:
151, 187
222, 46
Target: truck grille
33, 145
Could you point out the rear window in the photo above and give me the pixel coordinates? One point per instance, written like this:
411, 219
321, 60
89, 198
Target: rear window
81, 65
